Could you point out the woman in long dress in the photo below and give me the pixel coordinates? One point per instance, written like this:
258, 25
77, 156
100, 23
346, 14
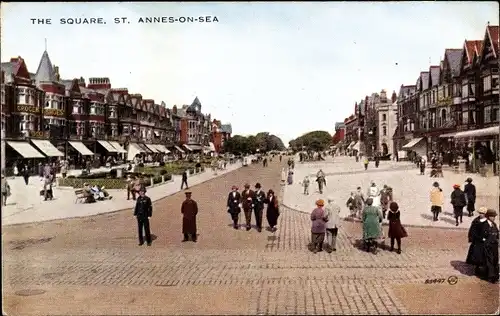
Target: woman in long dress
372, 230
272, 212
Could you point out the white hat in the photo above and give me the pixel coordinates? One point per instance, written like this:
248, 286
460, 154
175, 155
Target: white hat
330, 199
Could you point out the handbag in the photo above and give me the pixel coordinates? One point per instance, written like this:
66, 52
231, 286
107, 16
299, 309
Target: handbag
404, 232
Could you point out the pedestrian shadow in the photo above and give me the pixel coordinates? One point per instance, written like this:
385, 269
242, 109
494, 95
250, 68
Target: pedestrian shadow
13, 203
427, 217
154, 237
462, 267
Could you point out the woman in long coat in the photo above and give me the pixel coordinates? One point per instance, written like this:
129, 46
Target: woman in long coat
477, 230
272, 212
458, 201
396, 230
189, 210
372, 217
491, 271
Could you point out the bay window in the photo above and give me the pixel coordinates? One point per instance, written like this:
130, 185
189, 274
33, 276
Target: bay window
21, 99
465, 90
487, 83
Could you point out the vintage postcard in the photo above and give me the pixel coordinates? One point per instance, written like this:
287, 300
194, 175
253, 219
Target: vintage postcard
250, 158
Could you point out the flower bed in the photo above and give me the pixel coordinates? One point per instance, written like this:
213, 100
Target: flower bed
176, 169
109, 183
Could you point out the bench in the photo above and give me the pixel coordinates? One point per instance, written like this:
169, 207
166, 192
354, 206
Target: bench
80, 196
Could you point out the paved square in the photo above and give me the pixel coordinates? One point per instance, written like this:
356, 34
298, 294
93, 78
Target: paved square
92, 265
411, 190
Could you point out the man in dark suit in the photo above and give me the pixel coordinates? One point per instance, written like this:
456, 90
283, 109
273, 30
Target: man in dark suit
143, 211
247, 203
233, 205
259, 199
184, 180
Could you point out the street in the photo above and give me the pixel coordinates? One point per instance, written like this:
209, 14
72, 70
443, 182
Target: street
93, 265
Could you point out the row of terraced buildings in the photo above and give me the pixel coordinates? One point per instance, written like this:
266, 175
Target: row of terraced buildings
452, 107
44, 117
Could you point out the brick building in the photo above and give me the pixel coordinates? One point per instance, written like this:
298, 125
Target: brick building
46, 116
220, 133
454, 105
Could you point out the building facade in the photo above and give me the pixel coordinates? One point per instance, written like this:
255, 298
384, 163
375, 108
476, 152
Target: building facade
46, 116
386, 116
220, 134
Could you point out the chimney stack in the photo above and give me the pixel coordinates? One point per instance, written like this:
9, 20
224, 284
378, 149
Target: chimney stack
394, 96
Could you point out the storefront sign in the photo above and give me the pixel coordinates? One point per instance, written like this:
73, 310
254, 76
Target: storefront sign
445, 102
38, 134
53, 112
28, 109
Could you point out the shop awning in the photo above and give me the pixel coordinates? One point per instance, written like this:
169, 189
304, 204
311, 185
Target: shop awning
195, 147
212, 146
413, 142
179, 149
356, 146
162, 149
47, 148
81, 148
110, 148
118, 148
449, 135
188, 147
133, 150
25, 149
152, 148
489, 131
143, 148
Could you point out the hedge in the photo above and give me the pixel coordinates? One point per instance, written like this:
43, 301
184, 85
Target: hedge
108, 183
169, 169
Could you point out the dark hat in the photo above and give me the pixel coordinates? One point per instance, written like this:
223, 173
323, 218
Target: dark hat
436, 184
234, 187
491, 213
369, 201
270, 191
258, 186
142, 189
247, 185
394, 206
468, 180
188, 193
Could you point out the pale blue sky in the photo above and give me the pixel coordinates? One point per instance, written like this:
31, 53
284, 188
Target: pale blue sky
286, 68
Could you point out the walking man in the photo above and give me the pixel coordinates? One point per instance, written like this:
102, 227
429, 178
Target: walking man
247, 203
184, 180
233, 205
189, 210
143, 211
306, 183
259, 199
470, 194
332, 212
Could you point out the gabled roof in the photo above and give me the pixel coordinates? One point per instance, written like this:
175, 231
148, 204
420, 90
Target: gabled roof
493, 33
405, 91
434, 72
424, 75
469, 48
45, 71
454, 57
195, 106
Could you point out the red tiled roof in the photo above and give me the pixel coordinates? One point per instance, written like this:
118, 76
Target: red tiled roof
472, 47
493, 34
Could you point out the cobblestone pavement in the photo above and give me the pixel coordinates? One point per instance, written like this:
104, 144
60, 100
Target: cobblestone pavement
411, 190
82, 268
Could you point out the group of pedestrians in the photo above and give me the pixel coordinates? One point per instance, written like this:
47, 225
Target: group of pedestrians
253, 201
458, 199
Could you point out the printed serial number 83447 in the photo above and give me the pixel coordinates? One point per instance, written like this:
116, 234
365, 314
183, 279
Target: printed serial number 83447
432, 281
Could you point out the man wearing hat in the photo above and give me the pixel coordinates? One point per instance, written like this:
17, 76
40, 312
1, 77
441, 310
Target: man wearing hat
233, 205
189, 210
143, 211
259, 199
247, 197
458, 201
332, 212
470, 194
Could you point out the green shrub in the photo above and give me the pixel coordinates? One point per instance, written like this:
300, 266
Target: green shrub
78, 182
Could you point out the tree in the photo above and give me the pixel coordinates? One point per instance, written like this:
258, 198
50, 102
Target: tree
316, 141
263, 141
